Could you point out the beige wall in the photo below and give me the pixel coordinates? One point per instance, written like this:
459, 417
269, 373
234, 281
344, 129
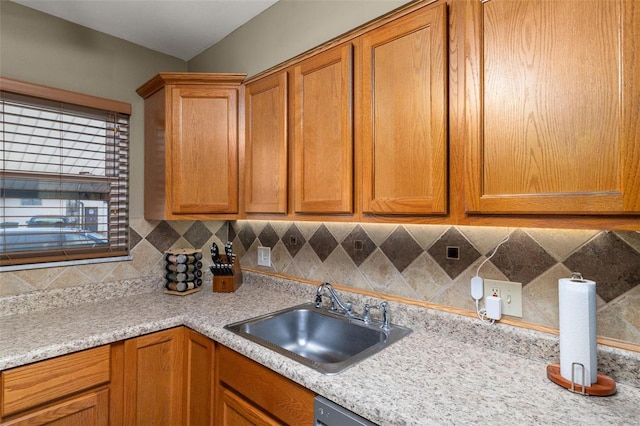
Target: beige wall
39, 48
286, 29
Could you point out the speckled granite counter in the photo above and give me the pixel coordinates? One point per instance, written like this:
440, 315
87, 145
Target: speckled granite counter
450, 370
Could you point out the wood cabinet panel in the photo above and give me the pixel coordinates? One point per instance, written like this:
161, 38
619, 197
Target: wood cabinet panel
552, 112
204, 150
323, 135
404, 115
238, 412
191, 145
266, 145
36, 384
274, 394
198, 378
153, 391
91, 409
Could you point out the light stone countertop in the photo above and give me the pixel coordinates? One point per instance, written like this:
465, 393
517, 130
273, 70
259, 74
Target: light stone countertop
433, 376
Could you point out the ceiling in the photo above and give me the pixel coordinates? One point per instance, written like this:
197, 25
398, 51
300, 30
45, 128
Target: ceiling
180, 28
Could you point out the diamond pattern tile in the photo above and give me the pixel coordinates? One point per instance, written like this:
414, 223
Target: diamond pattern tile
197, 235
163, 236
521, 259
612, 259
322, 242
609, 261
358, 252
246, 235
268, 236
293, 240
401, 248
226, 232
134, 238
453, 267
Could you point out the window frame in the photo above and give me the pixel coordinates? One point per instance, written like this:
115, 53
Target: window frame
41, 259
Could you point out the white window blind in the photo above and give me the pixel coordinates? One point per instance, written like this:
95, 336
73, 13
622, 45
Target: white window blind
64, 180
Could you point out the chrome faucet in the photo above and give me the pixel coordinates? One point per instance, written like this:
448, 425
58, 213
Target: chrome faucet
384, 307
335, 300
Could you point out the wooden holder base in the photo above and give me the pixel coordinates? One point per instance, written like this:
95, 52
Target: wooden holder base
183, 293
605, 386
228, 283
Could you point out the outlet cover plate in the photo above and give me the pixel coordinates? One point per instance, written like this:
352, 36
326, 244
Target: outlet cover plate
509, 292
264, 256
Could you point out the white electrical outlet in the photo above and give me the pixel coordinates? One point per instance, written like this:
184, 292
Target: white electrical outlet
264, 256
509, 292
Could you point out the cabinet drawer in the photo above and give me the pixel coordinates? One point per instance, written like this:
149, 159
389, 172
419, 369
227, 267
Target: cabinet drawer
31, 385
273, 393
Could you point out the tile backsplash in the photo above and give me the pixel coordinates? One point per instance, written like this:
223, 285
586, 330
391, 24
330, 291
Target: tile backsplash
403, 260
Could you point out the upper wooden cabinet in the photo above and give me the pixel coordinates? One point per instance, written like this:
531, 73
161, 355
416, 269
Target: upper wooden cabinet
266, 145
323, 135
404, 115
553, 107
191, 145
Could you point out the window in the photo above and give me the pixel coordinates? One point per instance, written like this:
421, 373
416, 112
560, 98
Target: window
64, 175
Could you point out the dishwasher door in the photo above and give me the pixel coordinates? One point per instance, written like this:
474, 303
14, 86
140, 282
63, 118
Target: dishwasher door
327, 413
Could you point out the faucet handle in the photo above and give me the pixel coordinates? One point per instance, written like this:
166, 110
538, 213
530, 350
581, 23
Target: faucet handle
385, 314
366, 313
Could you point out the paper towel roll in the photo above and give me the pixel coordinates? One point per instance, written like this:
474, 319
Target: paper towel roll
577, 299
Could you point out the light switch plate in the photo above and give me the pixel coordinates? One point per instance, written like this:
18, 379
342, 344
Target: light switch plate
510, 293
264, 256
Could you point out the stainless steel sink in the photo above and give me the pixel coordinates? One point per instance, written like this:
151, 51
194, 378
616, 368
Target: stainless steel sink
317, 337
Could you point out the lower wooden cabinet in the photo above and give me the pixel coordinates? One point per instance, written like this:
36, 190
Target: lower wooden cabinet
234, 410
170, 377
199, 354
153, 378
67, 390
249, 393
89, 409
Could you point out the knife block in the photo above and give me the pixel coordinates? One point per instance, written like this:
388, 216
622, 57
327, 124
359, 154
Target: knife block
228, 283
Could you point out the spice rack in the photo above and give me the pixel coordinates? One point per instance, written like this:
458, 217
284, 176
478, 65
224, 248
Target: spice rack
183, 271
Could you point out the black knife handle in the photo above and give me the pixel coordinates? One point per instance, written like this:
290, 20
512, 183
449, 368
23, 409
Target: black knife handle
215, 253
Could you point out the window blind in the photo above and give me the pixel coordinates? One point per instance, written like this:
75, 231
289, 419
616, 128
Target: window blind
64, 180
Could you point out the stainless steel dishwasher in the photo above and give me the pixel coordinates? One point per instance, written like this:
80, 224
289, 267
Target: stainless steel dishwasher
328, 413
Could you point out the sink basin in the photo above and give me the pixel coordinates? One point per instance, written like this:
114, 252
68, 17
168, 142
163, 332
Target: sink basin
317, 337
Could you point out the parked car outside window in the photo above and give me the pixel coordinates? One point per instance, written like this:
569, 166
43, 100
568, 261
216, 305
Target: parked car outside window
48, 238
49, 221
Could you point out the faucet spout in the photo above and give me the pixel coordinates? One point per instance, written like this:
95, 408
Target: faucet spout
335, 300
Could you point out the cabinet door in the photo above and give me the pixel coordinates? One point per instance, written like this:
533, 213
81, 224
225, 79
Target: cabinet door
203, 153
29, 386
91, 409
153, 379
238, 412
267, 394
266, 145
323, 139
404, 115
198, 377
553, 106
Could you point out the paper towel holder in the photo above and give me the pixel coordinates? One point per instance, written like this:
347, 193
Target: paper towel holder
605, 386
577, 277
